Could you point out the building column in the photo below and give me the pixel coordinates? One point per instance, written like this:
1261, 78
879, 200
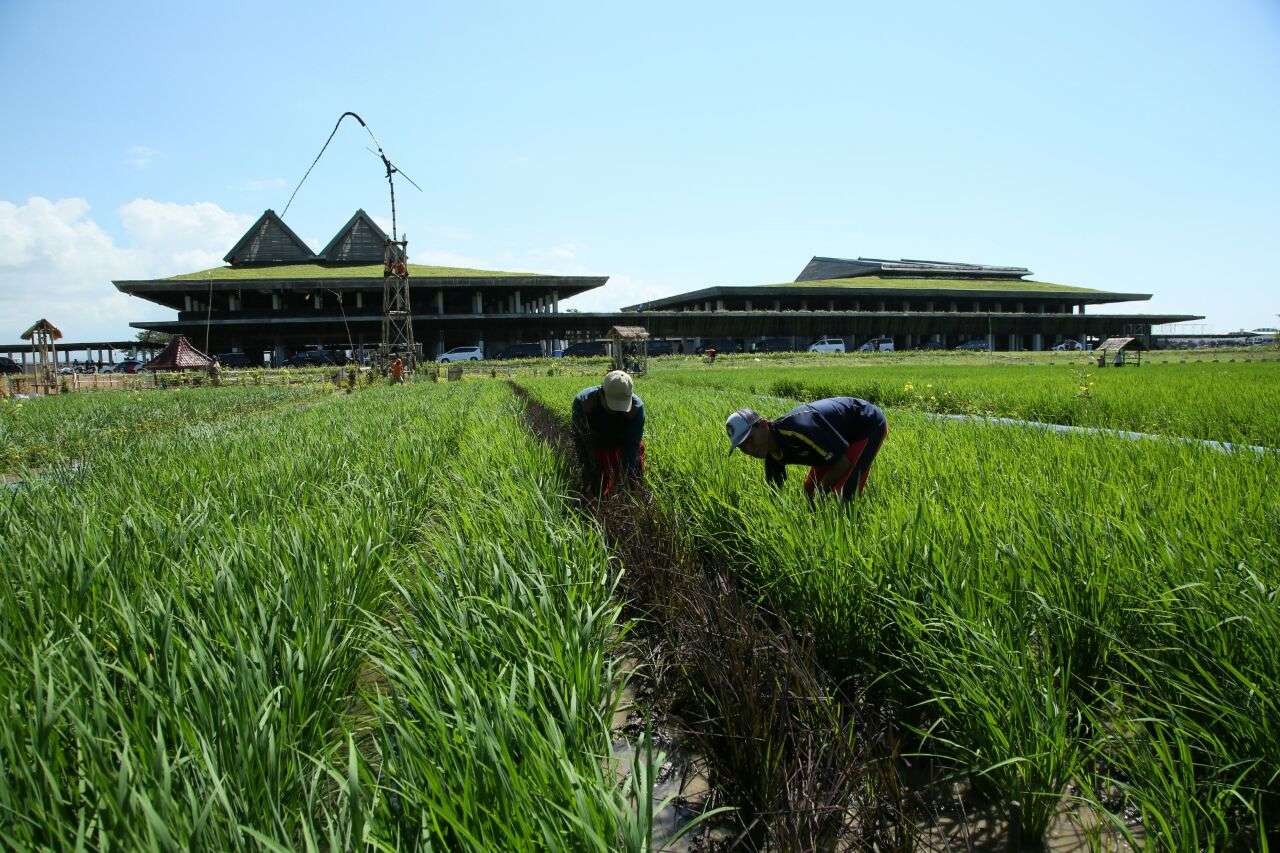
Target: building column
1018, 308
1037, 342
477, 303
719, 304
1015, 342
928, 306
706, 306
906, 306
954, 308
804, 304
439, 343
831, 305
907, 341
519, 304
186, 302
439, 301
977, 307
555, 302
777, 305
748, 304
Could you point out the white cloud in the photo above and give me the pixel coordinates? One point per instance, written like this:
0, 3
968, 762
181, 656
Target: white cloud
57, 262
563, 252
260, 184
140, 156
620, 290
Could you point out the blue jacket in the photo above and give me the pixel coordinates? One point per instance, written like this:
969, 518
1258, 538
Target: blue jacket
819, 433
596, 427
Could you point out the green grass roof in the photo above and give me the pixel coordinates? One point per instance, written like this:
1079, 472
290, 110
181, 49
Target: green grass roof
295, 271
1005, 284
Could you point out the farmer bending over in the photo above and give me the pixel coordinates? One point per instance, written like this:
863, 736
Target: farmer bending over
608, 428
838, 439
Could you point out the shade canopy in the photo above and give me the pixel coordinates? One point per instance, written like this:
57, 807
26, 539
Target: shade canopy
42, 325
629, 333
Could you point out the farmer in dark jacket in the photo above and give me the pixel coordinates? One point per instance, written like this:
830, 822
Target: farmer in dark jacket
838, 438
608, 431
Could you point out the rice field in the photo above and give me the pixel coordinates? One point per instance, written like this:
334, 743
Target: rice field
285, 618
1055, 615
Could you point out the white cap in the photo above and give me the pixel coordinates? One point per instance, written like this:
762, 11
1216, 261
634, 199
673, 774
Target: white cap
617, 387
739, 425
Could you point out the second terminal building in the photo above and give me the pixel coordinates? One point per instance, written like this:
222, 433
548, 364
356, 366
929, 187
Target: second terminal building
276, 297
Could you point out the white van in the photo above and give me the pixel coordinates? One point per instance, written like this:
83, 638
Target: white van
827, 345
462, 354
877, 345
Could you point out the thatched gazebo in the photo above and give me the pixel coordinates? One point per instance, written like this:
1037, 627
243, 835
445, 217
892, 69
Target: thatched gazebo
1120, 351
179, 354
629, 347
42, 335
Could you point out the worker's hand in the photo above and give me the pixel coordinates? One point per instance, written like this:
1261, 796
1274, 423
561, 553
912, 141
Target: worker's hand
775, 473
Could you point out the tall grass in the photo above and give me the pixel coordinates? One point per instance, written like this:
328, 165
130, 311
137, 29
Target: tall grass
358, 622
1225, 402
1048, 609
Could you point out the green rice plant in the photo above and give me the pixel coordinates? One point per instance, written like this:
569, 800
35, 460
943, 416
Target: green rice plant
47, 430
1014, 590
226, 635
1237, 402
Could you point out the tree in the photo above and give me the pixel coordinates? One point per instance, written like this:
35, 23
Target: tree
153, 339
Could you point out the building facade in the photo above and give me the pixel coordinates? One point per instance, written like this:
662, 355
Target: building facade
276, 297
915, 303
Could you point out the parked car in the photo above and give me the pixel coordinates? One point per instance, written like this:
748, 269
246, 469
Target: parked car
234, 359
520, 351
1068, 346
877, 345
827, 345
659, 347
586, 348
773, 345
313, 358
462, 354
980, 344
8, 365
129, 365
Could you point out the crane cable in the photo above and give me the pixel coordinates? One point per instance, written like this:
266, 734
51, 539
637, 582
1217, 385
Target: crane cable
390, 168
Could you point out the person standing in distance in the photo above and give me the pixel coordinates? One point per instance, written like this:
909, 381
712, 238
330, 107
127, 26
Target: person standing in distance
608, 431
838, 438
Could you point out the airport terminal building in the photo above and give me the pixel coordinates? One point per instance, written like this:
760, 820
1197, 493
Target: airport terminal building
917, 304
276, 297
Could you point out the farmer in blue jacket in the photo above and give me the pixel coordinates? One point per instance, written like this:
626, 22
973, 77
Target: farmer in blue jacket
838, 438
608, 431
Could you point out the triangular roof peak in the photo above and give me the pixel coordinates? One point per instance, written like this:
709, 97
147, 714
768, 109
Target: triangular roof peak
42, 325
178, 354
360, 241
269, 241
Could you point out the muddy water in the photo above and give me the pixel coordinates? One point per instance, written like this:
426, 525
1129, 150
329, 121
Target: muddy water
682, 788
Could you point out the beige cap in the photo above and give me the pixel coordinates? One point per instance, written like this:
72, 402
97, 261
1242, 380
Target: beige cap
617, 387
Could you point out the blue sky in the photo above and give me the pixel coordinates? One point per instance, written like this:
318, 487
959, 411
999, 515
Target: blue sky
1128, 146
